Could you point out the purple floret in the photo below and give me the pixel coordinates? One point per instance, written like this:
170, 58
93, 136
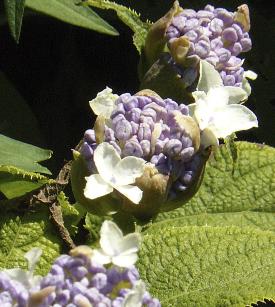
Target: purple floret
214, 36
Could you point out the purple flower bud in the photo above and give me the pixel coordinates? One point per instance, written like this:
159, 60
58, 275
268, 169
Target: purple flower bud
132, 148
86, 151
230, 35
89, 136
123, 130
99, 280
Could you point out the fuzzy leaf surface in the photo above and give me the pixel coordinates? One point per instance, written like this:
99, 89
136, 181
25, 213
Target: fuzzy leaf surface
245, 184
15, 12
208, 266
19, 234
68, 11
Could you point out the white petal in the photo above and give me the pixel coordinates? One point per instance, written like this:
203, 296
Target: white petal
209, 77
246, 86
125, 261
104, 103
100, 257
110, 237
33, 257
208, 138
236, 94
198, 95
250, 75
233, 118
135, 296
129, 244
202, 114
106, 158
217, 97
131, 192
127, 170
96, 187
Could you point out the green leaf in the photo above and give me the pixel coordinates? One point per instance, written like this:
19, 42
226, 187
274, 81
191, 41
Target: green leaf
129, 17
208, 266
68, 11
72, 214
19, 234
14, 185
16, 154
15, 12
93, 224
248, 184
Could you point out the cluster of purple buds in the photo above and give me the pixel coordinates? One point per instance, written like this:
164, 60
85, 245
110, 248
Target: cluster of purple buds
12, 292
79, 281
148, 127
215, 35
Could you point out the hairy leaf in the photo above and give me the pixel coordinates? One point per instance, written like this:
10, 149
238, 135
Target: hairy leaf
128, 17
24, 157
208, 266
19, 234
15, 185
245, 184
15, 12
68, 11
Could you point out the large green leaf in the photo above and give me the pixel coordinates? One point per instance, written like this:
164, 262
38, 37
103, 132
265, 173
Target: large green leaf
208, 266
20, 234
128, 17
15, 12
68, 11
245, 184
16, 154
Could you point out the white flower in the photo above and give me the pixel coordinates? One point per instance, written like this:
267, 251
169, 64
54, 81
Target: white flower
104, 103
217, 108
135, 296
27, 278
114, 173
249, 74
116, 248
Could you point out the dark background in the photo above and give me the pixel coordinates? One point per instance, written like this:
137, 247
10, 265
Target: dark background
57, 68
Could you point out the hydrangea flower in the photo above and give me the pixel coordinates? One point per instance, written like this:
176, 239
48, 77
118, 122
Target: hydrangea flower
114, 173
142, 128
217, 108
16, 283
213, 34
79, 280
115, 248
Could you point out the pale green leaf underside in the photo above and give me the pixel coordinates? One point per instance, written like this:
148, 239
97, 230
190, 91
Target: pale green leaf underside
68, 11
20, 234
13, 185
21, 156
248, 184
129, 17
208, 266
15, 12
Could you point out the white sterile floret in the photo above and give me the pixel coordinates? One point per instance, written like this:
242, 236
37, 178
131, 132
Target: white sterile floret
104, 103
116, 248
249, 74
218, 109
135, 296
27, 277
114, 173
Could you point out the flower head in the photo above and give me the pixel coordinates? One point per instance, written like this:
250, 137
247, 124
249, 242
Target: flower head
217, 108
147, 150
212, 34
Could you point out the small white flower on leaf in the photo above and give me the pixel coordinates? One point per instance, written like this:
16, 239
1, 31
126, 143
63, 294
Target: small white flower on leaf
26, 277
217, 108
135, 296
116, 248
114, 173
104, 103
